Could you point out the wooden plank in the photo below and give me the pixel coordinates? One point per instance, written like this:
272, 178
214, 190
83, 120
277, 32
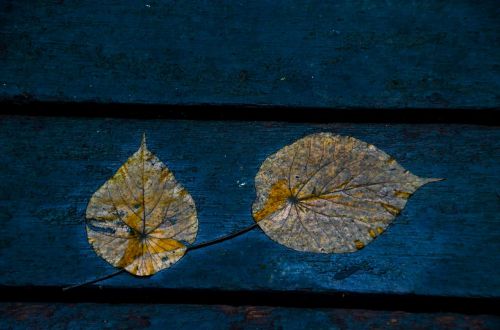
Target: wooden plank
371, 54
445, 242
127, 316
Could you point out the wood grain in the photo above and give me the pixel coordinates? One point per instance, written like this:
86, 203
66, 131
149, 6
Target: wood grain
334, 54
445, 242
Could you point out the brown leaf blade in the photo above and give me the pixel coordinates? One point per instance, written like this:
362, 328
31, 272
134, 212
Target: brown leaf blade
330, 194
139, 218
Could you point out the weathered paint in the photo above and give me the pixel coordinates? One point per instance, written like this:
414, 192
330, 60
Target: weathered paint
338, 54
443, 242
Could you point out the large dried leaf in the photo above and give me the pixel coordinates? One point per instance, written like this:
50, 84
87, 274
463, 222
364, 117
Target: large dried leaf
139, 218
329, 193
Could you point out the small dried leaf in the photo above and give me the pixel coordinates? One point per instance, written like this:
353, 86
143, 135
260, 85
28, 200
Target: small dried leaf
331, 194
139, 218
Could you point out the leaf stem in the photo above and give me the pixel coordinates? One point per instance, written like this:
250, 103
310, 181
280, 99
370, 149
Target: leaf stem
189, 248
222, 239
94, 280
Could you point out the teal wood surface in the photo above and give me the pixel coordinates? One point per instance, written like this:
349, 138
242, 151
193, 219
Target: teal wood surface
445, 242
435, 63
334, 54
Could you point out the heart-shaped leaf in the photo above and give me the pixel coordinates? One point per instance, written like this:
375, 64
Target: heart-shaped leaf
139, 218
331, 194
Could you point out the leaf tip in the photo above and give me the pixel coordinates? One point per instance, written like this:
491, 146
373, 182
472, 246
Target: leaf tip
430, 180
143, 141
435, 179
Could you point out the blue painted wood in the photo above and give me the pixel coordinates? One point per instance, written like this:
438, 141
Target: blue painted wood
445, 242
124, 316
346, 53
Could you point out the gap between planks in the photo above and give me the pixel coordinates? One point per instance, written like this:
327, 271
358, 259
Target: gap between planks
258, 112
295, 299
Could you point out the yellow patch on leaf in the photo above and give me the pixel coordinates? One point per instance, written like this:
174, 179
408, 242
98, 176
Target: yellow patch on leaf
402, 194
391, 209
358, 244
277, 198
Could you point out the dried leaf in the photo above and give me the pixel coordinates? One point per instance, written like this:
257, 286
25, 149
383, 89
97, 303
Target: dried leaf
139, 218
331, 194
